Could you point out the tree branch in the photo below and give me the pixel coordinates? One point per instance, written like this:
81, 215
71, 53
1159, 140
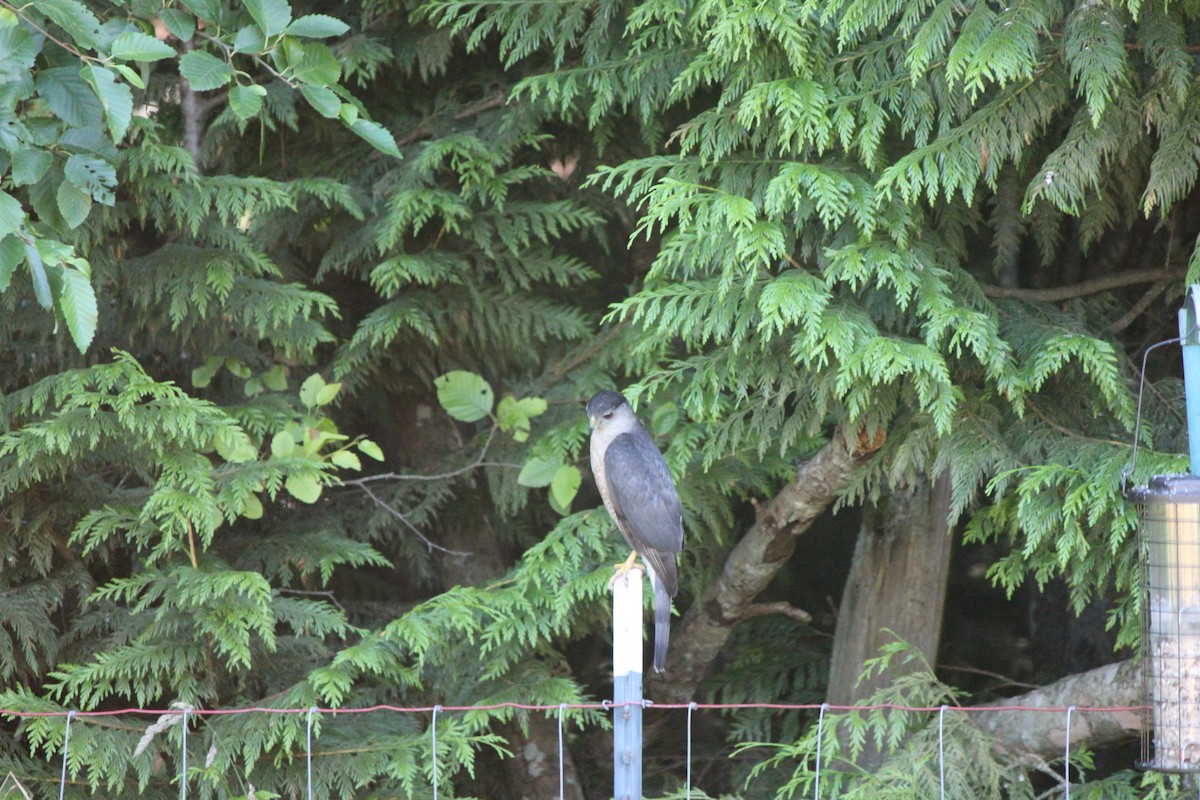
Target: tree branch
1043, 735
754, 561
1094, 286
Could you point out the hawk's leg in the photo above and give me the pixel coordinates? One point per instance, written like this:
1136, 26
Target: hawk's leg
621, 569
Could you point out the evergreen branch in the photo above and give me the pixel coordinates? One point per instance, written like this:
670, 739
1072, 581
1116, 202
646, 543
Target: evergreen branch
1105, 283
1135, 311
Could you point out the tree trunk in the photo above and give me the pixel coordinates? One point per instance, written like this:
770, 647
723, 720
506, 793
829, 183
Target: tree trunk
758, 556
896, 588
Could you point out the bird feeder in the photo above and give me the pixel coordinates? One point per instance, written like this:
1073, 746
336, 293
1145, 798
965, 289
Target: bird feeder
1169, 519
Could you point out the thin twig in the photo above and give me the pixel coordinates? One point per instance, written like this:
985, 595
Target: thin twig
379, 501
1139, 307
307, 593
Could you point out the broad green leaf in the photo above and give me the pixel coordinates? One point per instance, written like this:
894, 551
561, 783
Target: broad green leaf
93, 175
252, 507
130, 75
41, 283
249, 39
134, 46
69, 97
17, 52
73, 203
11, 253
303, 487
327, 392
466, 396
234, 446
237, 367
369, 448
513, 415
309, 389
316, 26
345, 459
178, 22
244, 102
204, 70
75, 18
252, 387
376, 135
77, 302
204, 9
283, 445
117, 99
11, 214
275, 379
312, 62
565, 485
202, 376
322, 99
538, 472
272, 16
29, 164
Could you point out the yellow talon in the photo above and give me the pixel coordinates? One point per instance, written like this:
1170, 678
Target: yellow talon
622, 568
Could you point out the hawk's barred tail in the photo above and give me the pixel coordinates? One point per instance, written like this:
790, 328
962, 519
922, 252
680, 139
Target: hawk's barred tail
662, 624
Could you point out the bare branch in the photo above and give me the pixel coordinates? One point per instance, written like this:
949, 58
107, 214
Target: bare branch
755, 561
379, 501
1094, 286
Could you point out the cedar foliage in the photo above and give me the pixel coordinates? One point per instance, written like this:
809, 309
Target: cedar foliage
832, 192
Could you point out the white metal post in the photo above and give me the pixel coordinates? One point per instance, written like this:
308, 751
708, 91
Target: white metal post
627, 685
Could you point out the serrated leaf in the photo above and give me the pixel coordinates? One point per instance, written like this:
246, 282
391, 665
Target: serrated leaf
322, 99
565, 485
369, 448
309, 389
327, 392
115, 97
17, 52
11, 253
93, 175
275, 379
69, 97
11, 214
252, 507
303, 487
41, 282
74, 18
29, 164
466, 396
511, 417
204, 9
249, 39
376, 135
316, 26
312, 62
204, 71
252, 387
136, 46
272, 16
73, 203
77, 302
345, 459
244, 102
130, 75
538, 472
283, 445
180, 23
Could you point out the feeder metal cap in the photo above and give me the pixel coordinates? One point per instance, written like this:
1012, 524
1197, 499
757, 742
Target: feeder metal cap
1168, 489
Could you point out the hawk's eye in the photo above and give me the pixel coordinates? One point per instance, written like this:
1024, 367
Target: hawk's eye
607, 414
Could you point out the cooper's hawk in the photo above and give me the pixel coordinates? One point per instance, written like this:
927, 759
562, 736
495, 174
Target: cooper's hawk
640, 497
